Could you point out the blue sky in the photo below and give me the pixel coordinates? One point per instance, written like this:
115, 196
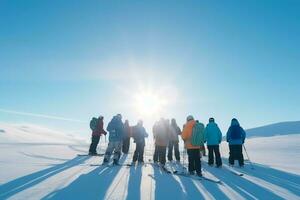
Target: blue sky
77, 59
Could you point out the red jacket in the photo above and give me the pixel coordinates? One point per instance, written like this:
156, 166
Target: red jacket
99, 130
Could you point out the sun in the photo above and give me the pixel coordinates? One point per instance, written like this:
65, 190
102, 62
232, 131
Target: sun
149, 103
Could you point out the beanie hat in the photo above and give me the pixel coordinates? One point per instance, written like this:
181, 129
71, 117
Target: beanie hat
189, 118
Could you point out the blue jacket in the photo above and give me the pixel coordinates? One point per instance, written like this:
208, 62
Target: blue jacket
116, 130
212, 134
139, 134
235, 134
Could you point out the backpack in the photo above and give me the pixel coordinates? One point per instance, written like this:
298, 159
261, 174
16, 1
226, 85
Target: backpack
197, 135
236, 132
94, 123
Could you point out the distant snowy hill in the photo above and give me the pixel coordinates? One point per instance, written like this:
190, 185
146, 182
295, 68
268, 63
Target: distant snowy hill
27, 133
282, 128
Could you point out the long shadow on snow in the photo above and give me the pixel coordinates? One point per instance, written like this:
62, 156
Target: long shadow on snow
15, 186
247, 189
42, 156
134, 183
212, 189
92, 185
167, 187
277, 177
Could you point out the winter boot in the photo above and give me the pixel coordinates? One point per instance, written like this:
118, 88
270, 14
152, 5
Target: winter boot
116, 162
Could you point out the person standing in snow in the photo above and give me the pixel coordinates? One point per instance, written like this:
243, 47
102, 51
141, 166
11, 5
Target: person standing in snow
213, 137
160, 135
116, 132
139, 135
236, 137
174, 142
193, 136
97, 127
126, 139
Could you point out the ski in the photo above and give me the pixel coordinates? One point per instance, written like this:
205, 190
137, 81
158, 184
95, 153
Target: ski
100, 154
234, 172
162, 168
211, 180
199, 178
165, 170
136, 164
112, 165
173, 167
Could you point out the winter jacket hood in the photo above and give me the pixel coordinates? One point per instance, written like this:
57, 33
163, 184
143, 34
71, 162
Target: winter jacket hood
235, 122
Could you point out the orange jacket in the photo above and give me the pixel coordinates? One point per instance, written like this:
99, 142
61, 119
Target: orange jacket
187, 135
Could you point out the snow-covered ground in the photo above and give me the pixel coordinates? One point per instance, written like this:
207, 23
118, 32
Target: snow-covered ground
37, 163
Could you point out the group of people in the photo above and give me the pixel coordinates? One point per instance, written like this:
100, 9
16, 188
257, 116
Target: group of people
119, 138
166, 136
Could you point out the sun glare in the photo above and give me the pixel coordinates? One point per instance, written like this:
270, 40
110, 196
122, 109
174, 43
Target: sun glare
148, 103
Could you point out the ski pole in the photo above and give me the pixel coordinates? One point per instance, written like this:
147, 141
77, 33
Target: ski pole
248, 157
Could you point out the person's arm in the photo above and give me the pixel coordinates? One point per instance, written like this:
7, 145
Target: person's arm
219, 135
184, 133
102, 131
145, 133
243, 134
109, 127
178, 131
228, 135
205, 134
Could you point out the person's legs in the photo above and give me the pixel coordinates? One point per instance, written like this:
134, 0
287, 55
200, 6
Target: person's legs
240, 155
125, 146
231, 155
108, 152
92, 145
191, 160
210, 154
204, 151
170, 151
136, 152
162, 154
117, 152
97, 139
176, 149
218, 156
156, 154
197, 161
141, 152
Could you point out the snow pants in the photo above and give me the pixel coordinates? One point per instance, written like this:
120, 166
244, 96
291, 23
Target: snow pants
175, 145
94, 144
139, 152
125, 146
194, 160
214, 151
236, 153
115, 148
160, 154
